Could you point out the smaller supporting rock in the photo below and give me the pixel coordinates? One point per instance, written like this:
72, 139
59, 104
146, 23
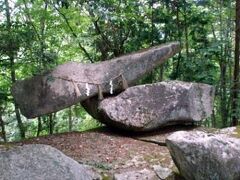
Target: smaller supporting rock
203, 156
148, 107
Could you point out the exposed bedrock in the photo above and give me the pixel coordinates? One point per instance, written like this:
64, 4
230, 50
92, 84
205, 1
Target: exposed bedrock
205, 156
74, 82
150, 106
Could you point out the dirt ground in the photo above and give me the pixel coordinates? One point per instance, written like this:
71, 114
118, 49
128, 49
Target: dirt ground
110, 151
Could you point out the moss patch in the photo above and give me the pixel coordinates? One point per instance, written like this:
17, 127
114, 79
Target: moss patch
207, 130
106, 177
236, 132
6, 146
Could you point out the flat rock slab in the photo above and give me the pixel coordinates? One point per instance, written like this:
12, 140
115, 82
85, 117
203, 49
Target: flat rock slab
199, 155
74, 82
110, 152
148, 107
39, 162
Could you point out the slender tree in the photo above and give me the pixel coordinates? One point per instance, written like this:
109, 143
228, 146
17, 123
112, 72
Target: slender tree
70, 119
235, 89
39, 128
51, 124
2, 126
223, 70
11, 53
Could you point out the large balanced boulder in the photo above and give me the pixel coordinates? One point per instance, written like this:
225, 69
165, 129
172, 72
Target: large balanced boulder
74, 82
204, 156
148, 107
41, 162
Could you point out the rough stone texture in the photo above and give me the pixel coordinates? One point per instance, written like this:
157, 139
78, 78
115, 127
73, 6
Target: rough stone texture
204, 156
73, 82
163, 173
144, 174
41, 162
147, 107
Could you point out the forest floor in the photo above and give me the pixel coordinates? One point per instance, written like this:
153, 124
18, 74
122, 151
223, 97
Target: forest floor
111, 151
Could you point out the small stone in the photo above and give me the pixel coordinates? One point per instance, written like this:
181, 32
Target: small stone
144, 174
162, 172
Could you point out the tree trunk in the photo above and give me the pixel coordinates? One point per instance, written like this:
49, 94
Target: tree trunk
223, 73
229, 48
42, 38
186, 35
223, 90
69, 119
213, 118
51, 123
39, 129
235, 88
161, 73
3, 132
177, 69
12, 68
19, 121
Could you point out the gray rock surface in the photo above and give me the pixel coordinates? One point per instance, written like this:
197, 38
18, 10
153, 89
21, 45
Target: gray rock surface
74, 82
41, 162
204, 156
163, 172
157, 173
144, 174
148, 107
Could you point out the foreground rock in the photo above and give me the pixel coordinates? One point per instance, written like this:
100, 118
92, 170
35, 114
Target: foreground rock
148, 107
41, 162
73, 82
202, 156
